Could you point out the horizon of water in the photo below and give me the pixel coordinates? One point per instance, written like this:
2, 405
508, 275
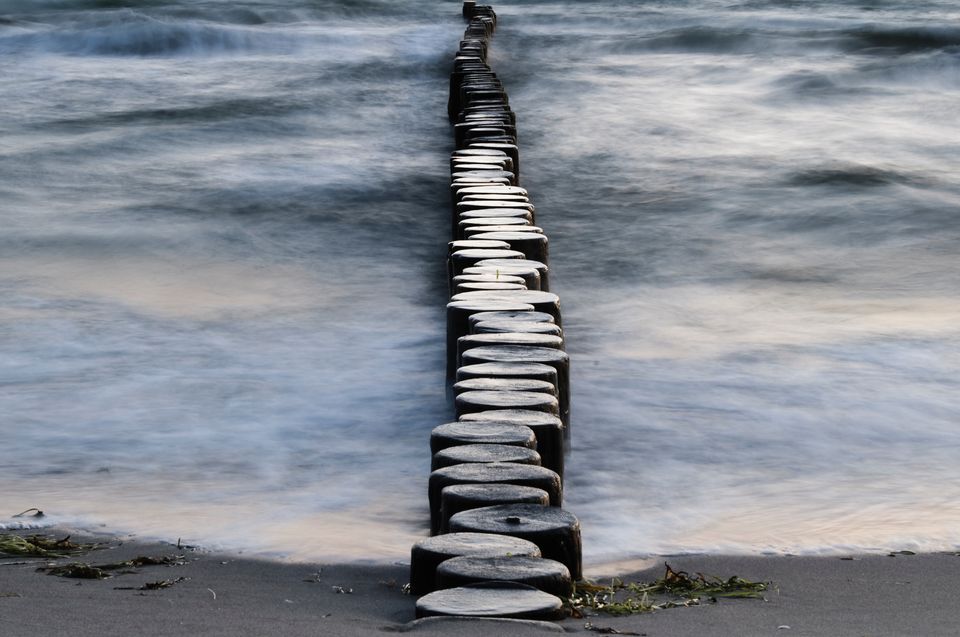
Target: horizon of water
222, 268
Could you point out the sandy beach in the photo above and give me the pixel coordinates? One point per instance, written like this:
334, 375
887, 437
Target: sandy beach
227, 594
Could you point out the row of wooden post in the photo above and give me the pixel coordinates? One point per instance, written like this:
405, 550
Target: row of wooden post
500, 545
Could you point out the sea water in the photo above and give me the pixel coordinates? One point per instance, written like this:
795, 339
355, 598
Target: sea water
222, 277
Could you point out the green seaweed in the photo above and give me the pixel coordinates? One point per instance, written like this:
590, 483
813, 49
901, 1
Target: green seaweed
675, 589
39, 546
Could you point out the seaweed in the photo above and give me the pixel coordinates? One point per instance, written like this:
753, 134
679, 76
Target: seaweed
155, 586
40, 546
77, 570
164, 583
675, 589
143, 560
103, 571
608, 630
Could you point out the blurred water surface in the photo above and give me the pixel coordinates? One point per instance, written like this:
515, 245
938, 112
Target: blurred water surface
222, 280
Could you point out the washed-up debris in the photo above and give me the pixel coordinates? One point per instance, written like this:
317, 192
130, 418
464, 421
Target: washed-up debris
40, 546
186, 547
608, 630
896, 553
102, 571
77, 570
144, 560
30, 513
340, 590
675, 589
153, 586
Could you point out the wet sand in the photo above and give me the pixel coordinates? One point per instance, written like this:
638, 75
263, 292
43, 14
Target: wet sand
231, 595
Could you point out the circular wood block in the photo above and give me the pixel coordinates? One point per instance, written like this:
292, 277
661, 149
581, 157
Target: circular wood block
536, 371
492, 599
453, 434
465, 205
472, 401
542, 301
555, 531
491, 473
526, 339
468, 244
483, 222
548, 429
534, 245
462, 497
466, 258
494, 213
530, 327
475, 198
491, 172
541, 267
556, 358
531, 276
458, 314
465, 454
489, 222
458, 165
546, 575
509, 213
535, 317
504, 384
427, 554
473, 286
490, 190
488, 278
471, 230
475, 180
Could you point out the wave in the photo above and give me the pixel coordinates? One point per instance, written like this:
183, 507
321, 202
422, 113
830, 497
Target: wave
937, 69
249, 12
867, 39
218, 111
132, 33
900, 40
812, 85
697, 39
808, 83
851, 175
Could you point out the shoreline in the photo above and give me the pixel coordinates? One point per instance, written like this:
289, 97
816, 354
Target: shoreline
218, 593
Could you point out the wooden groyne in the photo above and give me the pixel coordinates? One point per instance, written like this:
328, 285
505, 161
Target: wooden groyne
500, 545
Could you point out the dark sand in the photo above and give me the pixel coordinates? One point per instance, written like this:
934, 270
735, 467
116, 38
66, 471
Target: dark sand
234, 595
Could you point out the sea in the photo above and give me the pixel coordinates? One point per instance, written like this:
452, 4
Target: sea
222, 277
